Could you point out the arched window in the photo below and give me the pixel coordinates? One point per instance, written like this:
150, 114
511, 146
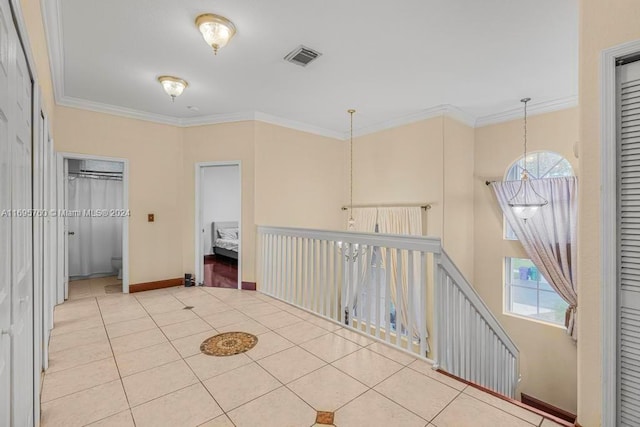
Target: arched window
527, 292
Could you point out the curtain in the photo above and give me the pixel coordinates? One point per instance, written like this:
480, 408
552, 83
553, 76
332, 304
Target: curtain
407, 221
96, 239
365, 222
550, 236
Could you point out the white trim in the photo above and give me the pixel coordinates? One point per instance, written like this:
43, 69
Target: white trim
199, 261
125, 205
293, 124
608, 224
215, 119
83, 104
52, 21
534, 108
440, 110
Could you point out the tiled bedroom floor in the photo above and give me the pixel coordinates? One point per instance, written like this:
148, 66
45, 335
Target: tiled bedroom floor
125, 360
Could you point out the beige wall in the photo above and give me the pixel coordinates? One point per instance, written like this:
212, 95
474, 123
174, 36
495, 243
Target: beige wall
215, 143
458, 209
33, 20
428, 161
402, 165
548, 355
603, 24
154, 152
300, 178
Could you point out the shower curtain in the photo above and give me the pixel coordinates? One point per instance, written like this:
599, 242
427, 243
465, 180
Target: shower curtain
96, 239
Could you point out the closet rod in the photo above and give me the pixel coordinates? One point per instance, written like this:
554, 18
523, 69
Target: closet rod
423, 206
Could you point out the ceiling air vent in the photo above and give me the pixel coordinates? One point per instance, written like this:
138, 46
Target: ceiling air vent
302, 56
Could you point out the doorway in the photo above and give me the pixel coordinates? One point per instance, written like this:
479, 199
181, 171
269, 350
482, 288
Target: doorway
95, 217
218, 224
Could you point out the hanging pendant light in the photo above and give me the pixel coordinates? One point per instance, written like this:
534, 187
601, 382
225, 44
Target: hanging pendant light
527, 201
351, 224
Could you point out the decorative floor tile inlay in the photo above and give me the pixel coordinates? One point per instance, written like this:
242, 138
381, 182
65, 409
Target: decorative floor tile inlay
324, 417
228, 344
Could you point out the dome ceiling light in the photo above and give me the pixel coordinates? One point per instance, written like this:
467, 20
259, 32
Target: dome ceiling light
216, 30
173, 86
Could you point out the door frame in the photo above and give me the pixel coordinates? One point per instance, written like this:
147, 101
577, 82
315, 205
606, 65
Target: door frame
199, 261
60, 179
608, 226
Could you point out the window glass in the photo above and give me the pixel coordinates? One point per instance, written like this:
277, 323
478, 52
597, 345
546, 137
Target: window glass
529, 294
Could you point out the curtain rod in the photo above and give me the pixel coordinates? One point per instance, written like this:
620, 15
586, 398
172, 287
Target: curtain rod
423, 206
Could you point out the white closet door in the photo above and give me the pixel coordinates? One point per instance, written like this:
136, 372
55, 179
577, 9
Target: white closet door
6, 45
629, 244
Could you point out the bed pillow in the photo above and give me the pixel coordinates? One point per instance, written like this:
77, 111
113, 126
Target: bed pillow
228, 233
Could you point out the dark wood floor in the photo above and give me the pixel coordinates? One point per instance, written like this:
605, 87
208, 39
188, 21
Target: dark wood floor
220, 272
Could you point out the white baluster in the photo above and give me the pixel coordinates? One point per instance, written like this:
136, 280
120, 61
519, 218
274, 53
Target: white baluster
378, 285
410, 299
423, 305
399, 309
387, 293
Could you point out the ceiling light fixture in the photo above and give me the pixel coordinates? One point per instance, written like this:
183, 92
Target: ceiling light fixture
216, 30
526, 201
174, 86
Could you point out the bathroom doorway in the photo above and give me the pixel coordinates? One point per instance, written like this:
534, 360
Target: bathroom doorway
94, 225
218, 224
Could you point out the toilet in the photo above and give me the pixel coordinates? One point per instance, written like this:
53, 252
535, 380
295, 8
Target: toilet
116, 263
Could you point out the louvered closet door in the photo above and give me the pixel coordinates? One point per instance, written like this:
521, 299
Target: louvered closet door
629, 244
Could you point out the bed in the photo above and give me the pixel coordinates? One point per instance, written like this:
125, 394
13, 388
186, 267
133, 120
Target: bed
224, 236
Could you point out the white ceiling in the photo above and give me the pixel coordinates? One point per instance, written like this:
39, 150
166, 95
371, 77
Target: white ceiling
386, 59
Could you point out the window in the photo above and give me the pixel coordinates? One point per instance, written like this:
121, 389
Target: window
542, 164
529, 294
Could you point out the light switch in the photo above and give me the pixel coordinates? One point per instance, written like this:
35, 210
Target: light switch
151, 217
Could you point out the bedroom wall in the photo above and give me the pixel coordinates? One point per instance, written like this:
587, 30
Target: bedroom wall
222, 142
220, 199
154, 152
603, 24
548, 355
301, 179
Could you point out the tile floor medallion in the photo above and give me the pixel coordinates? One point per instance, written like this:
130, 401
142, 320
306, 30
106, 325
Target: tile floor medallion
324, 417
135, 360
228, 344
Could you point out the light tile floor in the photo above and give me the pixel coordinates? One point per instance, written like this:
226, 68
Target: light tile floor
134, 360
91, 287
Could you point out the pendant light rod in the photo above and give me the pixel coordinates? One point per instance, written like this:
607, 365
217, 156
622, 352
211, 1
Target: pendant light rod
525, 101
351, 221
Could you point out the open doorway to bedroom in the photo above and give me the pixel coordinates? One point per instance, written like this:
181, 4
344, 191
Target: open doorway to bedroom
218, 219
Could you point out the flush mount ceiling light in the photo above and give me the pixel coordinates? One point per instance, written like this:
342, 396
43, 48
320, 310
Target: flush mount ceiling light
216, 30
174, 86
527, 201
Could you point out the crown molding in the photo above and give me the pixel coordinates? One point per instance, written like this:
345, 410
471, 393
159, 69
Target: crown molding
52, 20
215, 119
293, 124
429, 113
532, 109
99, 107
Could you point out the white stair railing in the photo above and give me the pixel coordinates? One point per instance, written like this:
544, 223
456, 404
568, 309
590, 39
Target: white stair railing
390, 287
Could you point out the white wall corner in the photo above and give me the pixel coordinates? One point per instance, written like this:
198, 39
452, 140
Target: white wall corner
52, 20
